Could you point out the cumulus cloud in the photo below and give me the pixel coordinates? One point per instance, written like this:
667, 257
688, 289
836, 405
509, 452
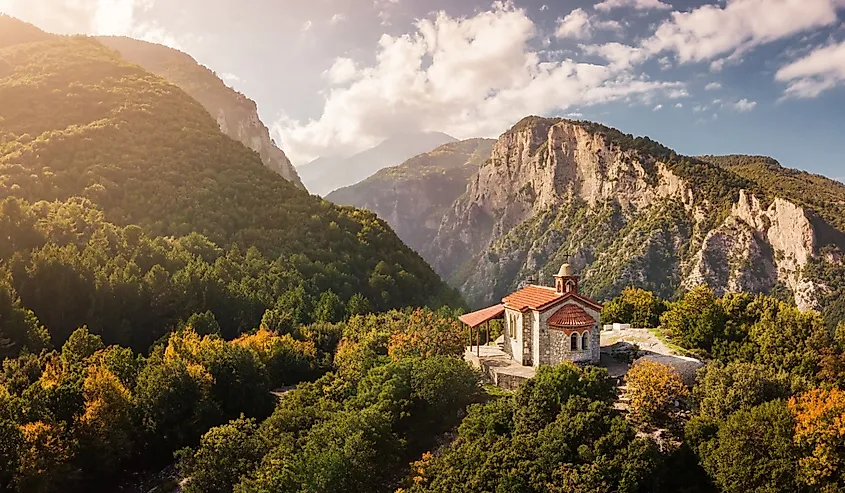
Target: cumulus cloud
711, 31
634, 4
722, 33
712, 86
658, 107
820, 70
580, 25
342, 71
679, 105
743, 105
468, 77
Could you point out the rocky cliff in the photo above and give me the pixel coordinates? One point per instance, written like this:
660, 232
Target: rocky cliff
414, 196
624, 211
236, 114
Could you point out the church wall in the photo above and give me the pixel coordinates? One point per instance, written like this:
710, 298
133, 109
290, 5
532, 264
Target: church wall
554, 344
527, 339
514, 347
537, 343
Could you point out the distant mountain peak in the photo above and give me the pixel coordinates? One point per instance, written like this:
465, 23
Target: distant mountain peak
326, 174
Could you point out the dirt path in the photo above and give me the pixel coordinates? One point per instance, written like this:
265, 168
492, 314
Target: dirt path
615, 345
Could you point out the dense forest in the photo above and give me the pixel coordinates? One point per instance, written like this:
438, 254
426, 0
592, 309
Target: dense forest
80, 122
155, 278
765, 413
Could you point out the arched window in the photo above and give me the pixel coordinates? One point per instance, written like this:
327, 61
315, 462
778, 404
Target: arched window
585, 341
573, 342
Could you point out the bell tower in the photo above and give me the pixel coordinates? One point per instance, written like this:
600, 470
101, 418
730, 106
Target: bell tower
565, 280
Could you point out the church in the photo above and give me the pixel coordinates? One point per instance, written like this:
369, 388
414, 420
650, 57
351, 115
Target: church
546, 325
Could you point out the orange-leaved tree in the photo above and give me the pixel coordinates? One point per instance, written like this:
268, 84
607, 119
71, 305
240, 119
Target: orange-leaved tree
820, 432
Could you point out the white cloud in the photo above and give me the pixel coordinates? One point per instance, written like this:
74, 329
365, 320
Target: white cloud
665, 63
337, 18
658, 107
634, 4
383, 7
343, 70
574, 25
720, 34
618, 54
544, 8
580, 25
468, 77
711, 31
679, 105
820, 70
306, 26
743, 105
712, 86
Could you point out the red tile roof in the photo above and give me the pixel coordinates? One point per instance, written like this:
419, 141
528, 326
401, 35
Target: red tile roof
571, 316
541, 297
475, 319
533, 297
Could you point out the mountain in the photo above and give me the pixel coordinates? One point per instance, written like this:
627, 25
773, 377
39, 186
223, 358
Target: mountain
326, 174
414, 196
80, 121
629, 211
236, 114
15, 31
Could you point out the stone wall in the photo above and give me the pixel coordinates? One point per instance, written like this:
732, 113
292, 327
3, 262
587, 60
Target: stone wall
559, 348
554, 344
527, 339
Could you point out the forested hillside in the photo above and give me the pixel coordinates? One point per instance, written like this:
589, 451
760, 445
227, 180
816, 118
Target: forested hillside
818, 193
236, 114
156, 279
79, 121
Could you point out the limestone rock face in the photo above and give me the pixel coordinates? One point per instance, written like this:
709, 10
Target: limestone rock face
756, 248
241, 122
556, 190
236, 114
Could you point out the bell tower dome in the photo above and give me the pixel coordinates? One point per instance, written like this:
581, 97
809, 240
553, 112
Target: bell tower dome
565, 280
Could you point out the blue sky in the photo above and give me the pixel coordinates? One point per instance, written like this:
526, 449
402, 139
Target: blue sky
337, 76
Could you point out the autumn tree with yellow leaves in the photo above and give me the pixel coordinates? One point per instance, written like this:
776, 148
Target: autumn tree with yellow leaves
653, 389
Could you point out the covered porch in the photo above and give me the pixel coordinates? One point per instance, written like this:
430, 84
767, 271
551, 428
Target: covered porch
479, 321
497, 367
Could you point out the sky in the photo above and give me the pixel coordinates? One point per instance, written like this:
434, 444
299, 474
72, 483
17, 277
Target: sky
333, 77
